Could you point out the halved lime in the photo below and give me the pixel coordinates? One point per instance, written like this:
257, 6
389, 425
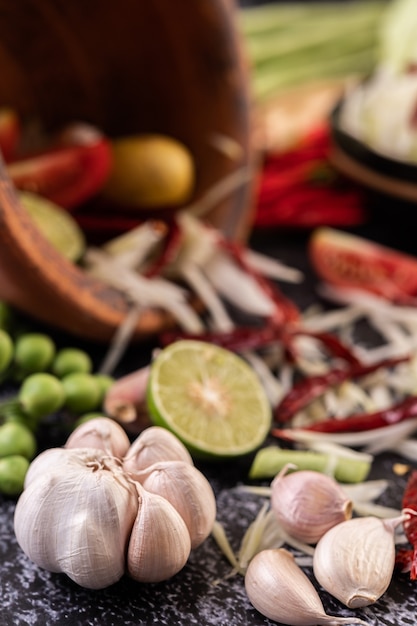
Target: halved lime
56, 225
210, 398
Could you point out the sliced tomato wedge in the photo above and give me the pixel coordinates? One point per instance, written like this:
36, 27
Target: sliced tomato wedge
9, 133
68, 173
346, 260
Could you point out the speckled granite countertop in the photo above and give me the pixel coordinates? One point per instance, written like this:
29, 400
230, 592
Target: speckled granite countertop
30, 596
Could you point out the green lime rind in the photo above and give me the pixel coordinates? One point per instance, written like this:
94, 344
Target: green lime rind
56, 225
239, 416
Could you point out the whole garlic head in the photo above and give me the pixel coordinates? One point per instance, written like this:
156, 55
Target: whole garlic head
77, 519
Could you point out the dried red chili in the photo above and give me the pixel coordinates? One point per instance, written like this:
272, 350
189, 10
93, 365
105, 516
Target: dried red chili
404, 410
407, 558
312, 387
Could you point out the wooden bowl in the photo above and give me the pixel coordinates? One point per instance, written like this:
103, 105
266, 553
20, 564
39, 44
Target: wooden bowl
169, 66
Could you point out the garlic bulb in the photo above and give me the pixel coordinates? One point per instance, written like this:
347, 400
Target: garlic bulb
159, 543
100, 432
152, 445
84, 513
354, 561
308, 503
189, 492
50, 459
77, 519
280, 590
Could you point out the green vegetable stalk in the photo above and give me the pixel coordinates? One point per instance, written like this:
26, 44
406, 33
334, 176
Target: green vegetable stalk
270, 460
292, 43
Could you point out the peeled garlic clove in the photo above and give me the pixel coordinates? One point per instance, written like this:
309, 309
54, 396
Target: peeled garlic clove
77, 519
159, 544
280, 590
153, 445
189, 492
308, 503
102, 433
354, 561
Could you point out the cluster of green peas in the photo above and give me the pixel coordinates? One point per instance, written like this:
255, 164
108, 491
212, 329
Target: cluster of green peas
51, 380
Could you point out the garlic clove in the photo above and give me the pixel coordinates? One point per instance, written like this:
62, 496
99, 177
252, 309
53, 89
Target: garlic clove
354, 561
102, 433
279, 589
308, 503
77, 519
153, 445
160, 543
189, 492
44, 462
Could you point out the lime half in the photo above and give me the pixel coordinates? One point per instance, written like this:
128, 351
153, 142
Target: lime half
56, 225
209, 398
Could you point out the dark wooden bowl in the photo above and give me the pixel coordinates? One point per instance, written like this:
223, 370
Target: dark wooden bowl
169, 66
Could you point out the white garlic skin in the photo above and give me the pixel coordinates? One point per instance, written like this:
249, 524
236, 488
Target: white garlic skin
280, 590
44, 462
189, 492
102, 433
160, 543
308, 503
153, 445
77, 519
354, 561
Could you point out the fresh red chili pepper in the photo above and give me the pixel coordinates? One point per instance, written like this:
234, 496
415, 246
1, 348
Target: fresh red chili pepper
312, 387
300, 189
67, 175
409, 502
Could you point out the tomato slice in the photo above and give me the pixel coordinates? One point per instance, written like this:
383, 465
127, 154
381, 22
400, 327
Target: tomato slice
67, 173
9, 133
346, 260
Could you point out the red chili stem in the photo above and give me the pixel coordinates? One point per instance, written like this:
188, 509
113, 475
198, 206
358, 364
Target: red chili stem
312, 387
404, 410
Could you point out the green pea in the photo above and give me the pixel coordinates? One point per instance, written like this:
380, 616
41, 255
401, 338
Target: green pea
82, 392
13, 471
17, 438
34, 352
69, 360
41, 394
6, 350
105, 382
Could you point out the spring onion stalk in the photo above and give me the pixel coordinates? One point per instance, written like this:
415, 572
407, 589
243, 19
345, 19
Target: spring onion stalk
293, 43
270, 460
